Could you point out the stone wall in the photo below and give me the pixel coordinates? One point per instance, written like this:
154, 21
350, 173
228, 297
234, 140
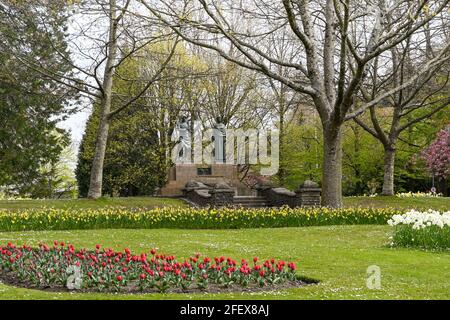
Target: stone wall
220, 195
308, 194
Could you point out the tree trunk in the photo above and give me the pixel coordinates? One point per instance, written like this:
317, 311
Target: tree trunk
281, 170
96, 182
389, 162
332, 169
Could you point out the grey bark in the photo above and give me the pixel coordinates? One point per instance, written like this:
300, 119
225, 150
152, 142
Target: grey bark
317, 72
332, 168
389, 165
96, 181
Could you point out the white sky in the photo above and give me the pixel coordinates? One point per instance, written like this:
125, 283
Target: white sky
76, 125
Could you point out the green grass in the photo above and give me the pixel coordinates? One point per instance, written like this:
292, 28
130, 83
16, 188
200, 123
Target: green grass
431, 237
336, 255
151, 202
438, 203
135, 202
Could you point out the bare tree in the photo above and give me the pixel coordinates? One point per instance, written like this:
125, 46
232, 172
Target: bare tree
426, 96
338, 41
102, 35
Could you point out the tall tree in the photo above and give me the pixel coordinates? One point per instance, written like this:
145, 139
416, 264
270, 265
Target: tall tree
103, 34
138, 154
31, 105
426, 96
437, 157
338, 41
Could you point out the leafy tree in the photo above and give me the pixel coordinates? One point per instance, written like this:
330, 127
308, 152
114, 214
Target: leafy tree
30, 104
337, 43
137, 155
437, 156
303, 139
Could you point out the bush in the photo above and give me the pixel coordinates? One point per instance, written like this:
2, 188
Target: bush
188, 218
429, 230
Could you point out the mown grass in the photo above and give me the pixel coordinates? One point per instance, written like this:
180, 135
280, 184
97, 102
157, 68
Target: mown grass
436, 203
440, 203
80, 204
337, 255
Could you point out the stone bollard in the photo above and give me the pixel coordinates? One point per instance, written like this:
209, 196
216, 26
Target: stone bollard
222, 195
263, 189
197, 193
309, 194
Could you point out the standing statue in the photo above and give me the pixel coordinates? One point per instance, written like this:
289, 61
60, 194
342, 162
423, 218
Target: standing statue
184, 141
219, 136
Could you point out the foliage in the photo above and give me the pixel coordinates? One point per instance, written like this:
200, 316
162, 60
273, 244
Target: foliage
301, 153
429, 230
188, 218
137, 155
362, 154
362, 161
437, 155
106, 269
31, 104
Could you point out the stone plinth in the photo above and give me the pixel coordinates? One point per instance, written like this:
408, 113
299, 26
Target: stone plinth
222, 195
214, 174
309, 194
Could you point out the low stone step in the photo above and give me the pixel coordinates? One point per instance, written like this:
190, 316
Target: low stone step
240, 205
243, 199
250, 202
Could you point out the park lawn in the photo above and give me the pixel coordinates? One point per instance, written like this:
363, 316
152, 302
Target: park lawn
441, 203
436, 203
338, 256
134, 202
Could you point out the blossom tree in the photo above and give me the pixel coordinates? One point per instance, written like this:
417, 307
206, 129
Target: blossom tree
437, 155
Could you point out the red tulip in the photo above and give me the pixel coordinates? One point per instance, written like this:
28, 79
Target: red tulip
119, 278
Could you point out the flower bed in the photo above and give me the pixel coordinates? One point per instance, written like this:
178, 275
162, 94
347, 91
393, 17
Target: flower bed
430, 229
418, 195
61, 267
188, 218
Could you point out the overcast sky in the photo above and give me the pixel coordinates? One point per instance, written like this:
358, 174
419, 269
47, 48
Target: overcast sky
76, 125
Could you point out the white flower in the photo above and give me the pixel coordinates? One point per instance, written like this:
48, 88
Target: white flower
420, 220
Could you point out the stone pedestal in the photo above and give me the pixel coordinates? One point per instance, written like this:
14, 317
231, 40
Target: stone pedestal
309, 194
222, 195
181, 174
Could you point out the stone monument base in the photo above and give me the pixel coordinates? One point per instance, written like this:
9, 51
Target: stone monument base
181, 174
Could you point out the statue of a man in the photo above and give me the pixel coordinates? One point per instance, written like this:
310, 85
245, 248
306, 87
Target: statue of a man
220, 133
184, 141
